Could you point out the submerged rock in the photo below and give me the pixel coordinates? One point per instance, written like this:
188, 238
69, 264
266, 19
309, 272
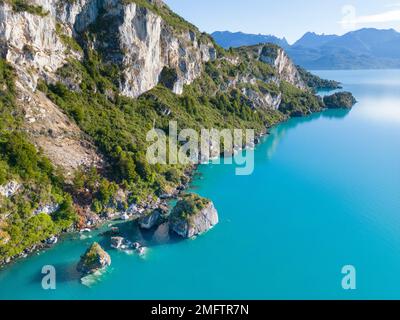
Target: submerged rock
94, 259
120, 243
193, 215
340, 100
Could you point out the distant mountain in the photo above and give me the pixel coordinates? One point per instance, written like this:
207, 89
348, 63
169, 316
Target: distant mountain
228, 39
313, 40
361, 49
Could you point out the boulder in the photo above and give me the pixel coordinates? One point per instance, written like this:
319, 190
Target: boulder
193, 215
94, 259
116, 242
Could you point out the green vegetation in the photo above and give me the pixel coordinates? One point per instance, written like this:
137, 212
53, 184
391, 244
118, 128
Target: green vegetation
24, 6
340, 100
42, 183
118, 124
316, 83
171, 18
190, 205
69, 42
296, 102
95, 258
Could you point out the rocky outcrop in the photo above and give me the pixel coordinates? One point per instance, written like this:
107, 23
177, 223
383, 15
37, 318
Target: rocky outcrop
9, 189
47, 209
340, 100
263, 99
94, 259
193, 216
284, 66
277, 58
150, 220
120, 243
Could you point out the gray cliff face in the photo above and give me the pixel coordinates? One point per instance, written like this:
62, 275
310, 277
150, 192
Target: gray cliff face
150, 220
284, 66
197, 224
134, 37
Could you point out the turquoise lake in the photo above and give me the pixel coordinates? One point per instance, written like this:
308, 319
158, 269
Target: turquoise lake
325, 193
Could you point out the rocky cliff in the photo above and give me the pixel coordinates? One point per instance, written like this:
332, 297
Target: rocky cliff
134, 37
83, 81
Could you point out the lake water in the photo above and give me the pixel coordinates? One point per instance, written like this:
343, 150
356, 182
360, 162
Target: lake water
325, 193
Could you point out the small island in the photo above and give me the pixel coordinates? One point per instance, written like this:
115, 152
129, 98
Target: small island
340, 100
193, 215
94, 259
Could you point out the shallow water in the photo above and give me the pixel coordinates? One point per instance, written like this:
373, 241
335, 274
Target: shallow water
325, 193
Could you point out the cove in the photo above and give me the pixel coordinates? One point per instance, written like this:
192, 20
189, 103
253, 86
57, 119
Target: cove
325, 193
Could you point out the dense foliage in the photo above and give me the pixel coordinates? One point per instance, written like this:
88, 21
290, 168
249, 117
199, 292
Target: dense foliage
316, 82
188, 206
42, 184
340, 100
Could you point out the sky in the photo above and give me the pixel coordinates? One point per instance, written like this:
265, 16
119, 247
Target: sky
289, 18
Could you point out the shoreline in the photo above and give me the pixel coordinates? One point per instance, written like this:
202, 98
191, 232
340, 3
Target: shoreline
191, 172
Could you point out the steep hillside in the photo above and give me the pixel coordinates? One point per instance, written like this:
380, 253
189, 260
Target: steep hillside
83, 81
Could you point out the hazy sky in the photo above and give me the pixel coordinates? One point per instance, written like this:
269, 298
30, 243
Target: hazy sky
289, 18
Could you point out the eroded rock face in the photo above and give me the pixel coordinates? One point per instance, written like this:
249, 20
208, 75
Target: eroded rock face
193, 216
286, 69
150, 220
142, 43
94, 259
30, 43
263, 100
47, 209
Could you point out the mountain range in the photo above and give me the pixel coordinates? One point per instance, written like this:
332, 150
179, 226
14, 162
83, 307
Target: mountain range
362, 49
